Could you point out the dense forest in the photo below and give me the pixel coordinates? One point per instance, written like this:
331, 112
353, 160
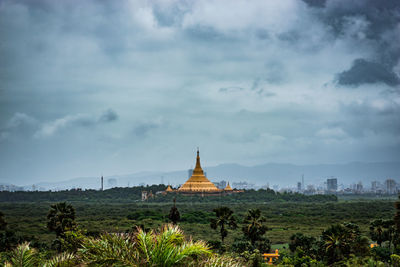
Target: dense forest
131, 194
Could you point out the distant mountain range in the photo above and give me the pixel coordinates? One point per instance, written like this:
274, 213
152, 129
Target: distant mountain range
271, 173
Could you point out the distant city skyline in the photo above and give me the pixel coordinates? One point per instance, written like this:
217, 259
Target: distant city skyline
120, 87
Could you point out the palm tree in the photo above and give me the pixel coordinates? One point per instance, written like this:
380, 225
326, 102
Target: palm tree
61, 217
336, 243
254, 227
24, 255
382, 230
225, 219
166, 248
174, 214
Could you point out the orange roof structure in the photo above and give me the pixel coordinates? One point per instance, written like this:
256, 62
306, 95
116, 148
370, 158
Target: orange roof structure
198, 182
169, 189
228, 188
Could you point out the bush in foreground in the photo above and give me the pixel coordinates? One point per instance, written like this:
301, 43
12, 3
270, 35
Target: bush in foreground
166, 247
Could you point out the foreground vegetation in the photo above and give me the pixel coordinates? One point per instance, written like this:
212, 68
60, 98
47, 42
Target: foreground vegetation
307, 234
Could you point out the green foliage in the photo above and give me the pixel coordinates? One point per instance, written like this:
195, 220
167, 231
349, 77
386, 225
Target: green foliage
131, 194
253, 258
127, 194
197, 216
165, 248
109, 249
381, 253
303, 242
61, 218
224, 219
395, 260
284, 219
174, 214
146, 214
221, 261
62, 260
340, 240
253, 225
3, 224
72, 240
8, 240
24, 256
382, 230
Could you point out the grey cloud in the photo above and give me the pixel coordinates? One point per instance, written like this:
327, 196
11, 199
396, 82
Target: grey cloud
377, 116
18, 124
144, 128
108, 116
79, 120
230, 89
172, 13
364, 72
316, 3
382, 32
20, 119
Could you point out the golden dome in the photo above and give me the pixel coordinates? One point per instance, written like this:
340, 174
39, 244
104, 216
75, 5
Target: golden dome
198, 182
169, 189
228, 188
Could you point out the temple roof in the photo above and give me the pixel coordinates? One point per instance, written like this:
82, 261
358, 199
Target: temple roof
198, 182
228, 188
169, 189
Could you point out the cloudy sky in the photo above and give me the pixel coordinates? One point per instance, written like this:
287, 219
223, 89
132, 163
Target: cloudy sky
116, 87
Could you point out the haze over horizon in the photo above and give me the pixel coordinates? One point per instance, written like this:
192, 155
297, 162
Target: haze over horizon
122, 87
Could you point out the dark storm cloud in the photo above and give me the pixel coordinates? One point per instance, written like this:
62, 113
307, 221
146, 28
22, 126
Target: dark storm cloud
316, 3
376, 23
364, 72
371, 26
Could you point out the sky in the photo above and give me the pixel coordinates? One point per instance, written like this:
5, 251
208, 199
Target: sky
116, 87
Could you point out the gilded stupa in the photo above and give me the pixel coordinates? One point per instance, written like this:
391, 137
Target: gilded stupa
198, 182
228, 188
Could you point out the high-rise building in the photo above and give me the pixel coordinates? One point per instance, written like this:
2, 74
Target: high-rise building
331, 184
374, 186
298, 186
390, 186
359, 187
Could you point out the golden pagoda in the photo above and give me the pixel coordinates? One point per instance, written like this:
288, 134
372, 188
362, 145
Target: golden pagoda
169, 189
228, 188
198, 182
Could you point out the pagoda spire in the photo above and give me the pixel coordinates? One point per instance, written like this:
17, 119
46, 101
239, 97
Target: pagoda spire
198, 169
198, 183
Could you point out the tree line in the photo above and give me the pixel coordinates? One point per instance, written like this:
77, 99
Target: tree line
129, 194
